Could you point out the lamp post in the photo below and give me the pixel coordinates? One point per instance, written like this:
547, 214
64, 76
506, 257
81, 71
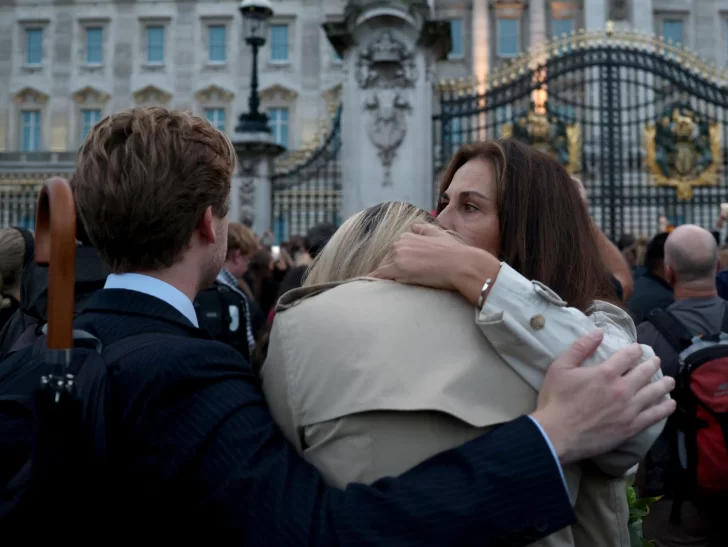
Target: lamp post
253, 139
256, 14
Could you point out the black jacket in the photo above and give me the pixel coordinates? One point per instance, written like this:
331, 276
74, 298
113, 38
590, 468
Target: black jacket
198, 458
90, 277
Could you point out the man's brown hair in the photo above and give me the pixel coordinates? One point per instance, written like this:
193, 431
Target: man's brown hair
144, 177
546, 233
241, 238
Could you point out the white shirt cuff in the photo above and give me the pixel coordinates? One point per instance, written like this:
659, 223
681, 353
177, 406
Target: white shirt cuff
553, 453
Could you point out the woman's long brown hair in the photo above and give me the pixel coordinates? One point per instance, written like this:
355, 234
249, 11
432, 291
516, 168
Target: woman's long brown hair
546, 232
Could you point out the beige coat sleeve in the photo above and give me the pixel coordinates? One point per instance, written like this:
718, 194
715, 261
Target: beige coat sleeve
277, 388
529, 325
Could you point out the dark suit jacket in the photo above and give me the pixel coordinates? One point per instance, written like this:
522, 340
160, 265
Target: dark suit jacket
198, 458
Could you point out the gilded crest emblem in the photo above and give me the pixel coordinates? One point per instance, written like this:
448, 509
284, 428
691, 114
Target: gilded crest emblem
683, 150
545, 131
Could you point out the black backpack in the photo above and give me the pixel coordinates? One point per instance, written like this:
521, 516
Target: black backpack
221, 312
53, 442
697, 433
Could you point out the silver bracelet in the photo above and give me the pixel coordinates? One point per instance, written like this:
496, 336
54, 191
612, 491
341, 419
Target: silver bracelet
483, 293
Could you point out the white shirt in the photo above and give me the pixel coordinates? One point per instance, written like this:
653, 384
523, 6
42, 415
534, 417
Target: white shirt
156, 288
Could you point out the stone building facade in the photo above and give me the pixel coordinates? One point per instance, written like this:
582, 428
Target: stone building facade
64, 64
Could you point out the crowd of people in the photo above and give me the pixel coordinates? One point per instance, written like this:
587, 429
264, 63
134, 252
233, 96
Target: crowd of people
495, 373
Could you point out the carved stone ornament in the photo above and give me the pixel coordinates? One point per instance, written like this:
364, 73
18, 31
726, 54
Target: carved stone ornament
386, 63
277, 91
152, 95
387, 128
683, 150
214, 94
90, 95
30, 96
387, 68
619, 10
247, 173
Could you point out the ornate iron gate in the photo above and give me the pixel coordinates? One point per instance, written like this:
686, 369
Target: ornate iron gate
641, 122
310, 192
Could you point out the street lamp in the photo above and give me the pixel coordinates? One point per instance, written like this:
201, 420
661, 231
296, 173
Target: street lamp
256, 14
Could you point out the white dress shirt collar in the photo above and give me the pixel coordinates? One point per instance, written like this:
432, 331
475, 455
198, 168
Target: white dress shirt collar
156, 288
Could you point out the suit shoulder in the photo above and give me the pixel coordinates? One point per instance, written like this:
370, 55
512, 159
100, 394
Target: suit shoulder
180, 356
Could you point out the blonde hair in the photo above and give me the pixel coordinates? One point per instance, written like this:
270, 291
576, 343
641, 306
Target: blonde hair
358, 247
12, 255
241, 238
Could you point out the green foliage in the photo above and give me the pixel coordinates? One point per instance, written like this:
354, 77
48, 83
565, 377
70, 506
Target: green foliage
639, 508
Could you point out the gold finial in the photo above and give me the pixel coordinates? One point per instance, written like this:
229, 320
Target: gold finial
610, 27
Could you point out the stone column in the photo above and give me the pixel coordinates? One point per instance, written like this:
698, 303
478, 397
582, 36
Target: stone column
481, 43
537, 23
389, 50
252, 192
595, 14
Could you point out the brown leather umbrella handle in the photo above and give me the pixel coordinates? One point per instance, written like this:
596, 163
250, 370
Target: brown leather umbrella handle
55, 245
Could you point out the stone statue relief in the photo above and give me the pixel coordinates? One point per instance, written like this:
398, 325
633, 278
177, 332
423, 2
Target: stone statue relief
246, 173
619, 10
387, 68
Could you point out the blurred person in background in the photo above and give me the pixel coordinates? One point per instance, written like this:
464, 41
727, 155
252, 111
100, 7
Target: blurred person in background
16, 251
315, 240
225, 310
651, 289
612, 256
26, 324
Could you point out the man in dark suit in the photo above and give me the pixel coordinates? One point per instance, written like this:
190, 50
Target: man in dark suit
195, 454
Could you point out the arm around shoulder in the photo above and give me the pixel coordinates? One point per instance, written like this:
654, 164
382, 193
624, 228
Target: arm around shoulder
252, 487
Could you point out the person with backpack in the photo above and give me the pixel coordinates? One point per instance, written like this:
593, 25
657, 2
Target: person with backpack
688, 464
175, 443
228, 313
24, 326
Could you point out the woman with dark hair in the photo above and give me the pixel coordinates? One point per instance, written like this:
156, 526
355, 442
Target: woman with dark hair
513, 205
367, 378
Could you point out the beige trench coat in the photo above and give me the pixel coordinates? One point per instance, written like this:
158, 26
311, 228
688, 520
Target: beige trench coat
368, 378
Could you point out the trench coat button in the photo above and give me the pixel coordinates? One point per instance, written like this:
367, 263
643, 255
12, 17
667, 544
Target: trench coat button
537, 322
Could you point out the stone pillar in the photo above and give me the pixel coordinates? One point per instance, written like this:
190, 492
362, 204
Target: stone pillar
595, 14
537, 23
389, 51
481, 53
252, 192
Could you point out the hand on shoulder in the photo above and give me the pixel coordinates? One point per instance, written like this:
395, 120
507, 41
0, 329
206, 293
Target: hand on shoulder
587, 412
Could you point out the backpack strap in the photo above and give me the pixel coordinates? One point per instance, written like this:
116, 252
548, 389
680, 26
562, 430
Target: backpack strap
671, 329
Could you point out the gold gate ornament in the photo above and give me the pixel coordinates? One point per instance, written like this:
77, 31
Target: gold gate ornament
547, 133
683, 150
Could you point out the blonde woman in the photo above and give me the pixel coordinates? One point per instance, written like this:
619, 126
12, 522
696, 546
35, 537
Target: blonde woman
368, 378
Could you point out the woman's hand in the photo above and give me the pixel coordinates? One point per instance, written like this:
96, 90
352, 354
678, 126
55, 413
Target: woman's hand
431, 257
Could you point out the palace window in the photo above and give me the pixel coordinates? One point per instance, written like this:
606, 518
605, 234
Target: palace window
94, 45
456, 38
508, 37
672, 31
278, 118
31, 131
559, 27
89, 118
34, 46
216, 116
155, 44
217, 44
279, 43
